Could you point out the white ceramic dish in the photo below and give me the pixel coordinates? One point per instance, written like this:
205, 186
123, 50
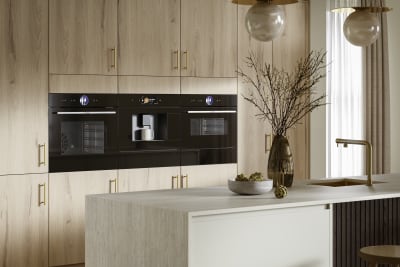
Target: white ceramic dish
251, 187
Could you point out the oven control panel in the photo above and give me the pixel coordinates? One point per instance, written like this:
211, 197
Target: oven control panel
82, 100
209, 100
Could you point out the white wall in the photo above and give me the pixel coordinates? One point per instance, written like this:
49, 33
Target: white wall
394, 72
318, 116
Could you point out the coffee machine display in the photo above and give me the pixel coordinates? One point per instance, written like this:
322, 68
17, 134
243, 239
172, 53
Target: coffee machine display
149, 130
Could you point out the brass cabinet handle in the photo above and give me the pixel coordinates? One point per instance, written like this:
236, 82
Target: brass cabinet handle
40, 201
42, 148
110, 186
114, 58
173, 178
185, 54
186, 183
176, 54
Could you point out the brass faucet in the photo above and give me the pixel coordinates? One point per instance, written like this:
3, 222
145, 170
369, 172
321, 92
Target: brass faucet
345, 143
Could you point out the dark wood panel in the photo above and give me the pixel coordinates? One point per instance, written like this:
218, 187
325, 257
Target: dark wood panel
364, 223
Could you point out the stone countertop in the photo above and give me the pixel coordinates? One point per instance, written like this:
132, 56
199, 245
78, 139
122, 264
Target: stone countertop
219, 200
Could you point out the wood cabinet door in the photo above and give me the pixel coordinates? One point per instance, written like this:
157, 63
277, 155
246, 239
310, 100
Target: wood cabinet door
208, 38
149, 37
148, 179
83, 37
23, 86
286, 56
207, 175
23, 222
67, 212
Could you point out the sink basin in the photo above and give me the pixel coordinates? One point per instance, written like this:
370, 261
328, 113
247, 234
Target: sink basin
342, 182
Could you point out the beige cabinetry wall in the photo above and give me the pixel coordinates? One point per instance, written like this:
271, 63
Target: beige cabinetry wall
208, 38
149, 36
67, 211
23, 86
207, 175
283, 52
23, 220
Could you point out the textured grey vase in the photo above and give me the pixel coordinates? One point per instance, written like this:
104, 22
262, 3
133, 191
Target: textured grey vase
280, 161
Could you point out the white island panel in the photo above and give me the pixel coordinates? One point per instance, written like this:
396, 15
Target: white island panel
280, 238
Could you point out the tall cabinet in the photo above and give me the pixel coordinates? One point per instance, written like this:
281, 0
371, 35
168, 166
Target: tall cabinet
23, 86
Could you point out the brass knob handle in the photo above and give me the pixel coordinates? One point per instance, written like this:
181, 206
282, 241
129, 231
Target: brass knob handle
40, 201
110, 186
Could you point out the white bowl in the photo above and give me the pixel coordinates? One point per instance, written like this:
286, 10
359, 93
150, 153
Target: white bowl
250, 187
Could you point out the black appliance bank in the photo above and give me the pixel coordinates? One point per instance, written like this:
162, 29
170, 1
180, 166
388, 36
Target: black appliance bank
120, 131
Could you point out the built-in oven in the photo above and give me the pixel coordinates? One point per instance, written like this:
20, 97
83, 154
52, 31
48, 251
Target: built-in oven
83, 132
209, 129
149, 130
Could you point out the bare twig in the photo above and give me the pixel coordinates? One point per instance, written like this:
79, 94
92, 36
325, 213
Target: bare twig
283, 98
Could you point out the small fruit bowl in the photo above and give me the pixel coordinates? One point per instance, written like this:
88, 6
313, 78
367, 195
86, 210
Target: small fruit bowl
250, 187
254, 185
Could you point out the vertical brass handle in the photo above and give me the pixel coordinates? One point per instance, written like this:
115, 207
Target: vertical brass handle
40, 201
114, 58
110, 186
176, 54
173, 178
185, 54
184, 177
42, 148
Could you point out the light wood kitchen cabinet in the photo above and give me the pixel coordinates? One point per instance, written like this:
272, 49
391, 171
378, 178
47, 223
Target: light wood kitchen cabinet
207, 175
67, 211
149, 37
23, 220
208, 38
83, 37
23, 86
286, 56
148, 179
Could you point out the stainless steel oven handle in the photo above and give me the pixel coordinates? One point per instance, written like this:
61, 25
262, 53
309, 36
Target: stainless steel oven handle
210, 111
86, 112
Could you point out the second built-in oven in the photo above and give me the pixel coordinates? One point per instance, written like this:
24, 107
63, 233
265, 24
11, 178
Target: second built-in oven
209, 129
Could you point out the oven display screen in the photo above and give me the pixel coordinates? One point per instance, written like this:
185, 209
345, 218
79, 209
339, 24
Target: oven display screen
208, 126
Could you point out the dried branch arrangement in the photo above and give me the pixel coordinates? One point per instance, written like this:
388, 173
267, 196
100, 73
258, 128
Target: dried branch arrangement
285, 98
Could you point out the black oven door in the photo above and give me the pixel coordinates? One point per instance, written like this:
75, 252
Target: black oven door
209, 136
83, 139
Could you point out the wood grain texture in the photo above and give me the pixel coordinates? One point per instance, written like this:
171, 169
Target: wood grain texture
208, 175
149, 37
195, 85
147, 179
89, 84
251, 130
82, 34
67, 212
23, 85
287, 50
134, 235
209, 35
364, 223
148, 85
23, 224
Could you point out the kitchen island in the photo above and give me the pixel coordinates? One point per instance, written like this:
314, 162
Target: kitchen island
215, 227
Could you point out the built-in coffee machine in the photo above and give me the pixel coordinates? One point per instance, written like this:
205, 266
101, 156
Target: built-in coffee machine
149, 130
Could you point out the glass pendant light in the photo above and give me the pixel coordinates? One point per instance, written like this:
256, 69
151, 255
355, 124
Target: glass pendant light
361, 28
265, 21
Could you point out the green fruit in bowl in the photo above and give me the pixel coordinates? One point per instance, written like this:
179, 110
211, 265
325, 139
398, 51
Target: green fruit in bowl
254, 177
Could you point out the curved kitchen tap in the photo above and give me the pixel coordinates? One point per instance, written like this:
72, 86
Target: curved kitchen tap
345, 143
